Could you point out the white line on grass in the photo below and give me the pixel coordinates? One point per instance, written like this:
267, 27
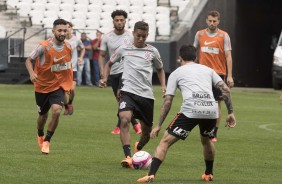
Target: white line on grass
266, 127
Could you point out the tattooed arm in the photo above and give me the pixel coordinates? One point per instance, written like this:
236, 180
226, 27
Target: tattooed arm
225, 95
164, 111
230, 120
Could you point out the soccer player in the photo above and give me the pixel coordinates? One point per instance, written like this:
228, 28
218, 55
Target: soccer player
110, 42
136, 96
75, 43
215, 52
52, 77
199, 107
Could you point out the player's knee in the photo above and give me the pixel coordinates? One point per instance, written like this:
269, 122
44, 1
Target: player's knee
205, 140
43, 117
56, 110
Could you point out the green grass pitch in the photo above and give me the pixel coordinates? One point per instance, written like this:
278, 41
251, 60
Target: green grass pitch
84, 152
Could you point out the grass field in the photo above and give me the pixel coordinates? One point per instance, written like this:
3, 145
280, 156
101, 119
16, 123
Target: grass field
83, 150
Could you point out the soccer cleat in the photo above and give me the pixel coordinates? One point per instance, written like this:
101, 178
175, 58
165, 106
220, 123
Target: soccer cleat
137, 128
40, 140
146, 179
66, 112
116, 131
127, 162
70, 109
45, 147
213, 139
135, 147
207, 177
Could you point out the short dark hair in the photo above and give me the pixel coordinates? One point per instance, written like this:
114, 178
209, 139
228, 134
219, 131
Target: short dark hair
187, 52
119, 13
214, 13
59, 22
141, 25
69, 23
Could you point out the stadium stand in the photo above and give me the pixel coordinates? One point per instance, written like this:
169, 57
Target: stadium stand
163, 17
3, 32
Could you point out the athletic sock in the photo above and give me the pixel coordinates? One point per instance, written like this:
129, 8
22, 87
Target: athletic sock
140, 145
133, 121
40, 133
154, 166
126, 150
118, 123
49, 135
209, 167
215, 131
71, 97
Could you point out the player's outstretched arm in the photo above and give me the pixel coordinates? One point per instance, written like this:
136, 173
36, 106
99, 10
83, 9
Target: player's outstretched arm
230, 120
164, 111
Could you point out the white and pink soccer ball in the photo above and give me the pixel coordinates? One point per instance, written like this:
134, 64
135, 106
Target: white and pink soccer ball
141, 160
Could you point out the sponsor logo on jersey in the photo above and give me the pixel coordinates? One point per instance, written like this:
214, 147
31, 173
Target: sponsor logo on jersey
208, 43
201, 95
180, 132
203, 103
211, 50
204, 112
58, 59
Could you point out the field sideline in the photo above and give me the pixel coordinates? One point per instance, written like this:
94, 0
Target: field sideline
84, 152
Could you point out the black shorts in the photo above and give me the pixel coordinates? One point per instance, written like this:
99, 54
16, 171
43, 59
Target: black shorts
216, 92
116, 82
74, 76
181, 126
142, 108
45, 100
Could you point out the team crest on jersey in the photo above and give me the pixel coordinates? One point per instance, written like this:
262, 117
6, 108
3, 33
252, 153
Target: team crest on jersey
122, 105
221, 35
148, 56
38, 108
48, 47
126, 41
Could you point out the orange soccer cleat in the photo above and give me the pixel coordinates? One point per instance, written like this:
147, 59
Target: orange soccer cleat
207, 177
116, 131
40, 140
127, 162
146, 179
137, 128
45, 148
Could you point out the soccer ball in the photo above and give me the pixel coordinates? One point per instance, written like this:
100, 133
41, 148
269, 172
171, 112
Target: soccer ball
141, 160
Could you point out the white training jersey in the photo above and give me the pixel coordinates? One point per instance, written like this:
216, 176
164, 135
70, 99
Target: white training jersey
138, 66
110, 42
75, 42
195, 82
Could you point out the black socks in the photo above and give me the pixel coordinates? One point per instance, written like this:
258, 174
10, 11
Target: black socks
154, 166
126, 150
209, 167
48, 136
